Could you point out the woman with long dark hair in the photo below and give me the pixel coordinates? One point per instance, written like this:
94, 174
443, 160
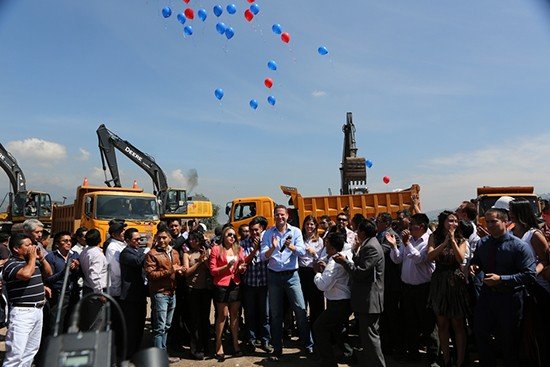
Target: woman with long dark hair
526, 228
226, 264
313, 297
448, 296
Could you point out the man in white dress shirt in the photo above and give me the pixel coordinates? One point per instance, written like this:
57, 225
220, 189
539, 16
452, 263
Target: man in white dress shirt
333, 280
416, 274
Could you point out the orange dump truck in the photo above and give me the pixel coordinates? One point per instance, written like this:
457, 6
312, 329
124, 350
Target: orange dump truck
95, 206
242, 210
488, 195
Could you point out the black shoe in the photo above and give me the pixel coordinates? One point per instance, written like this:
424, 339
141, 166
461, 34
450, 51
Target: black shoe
199, 356
276, 356
309, 352
266, 347
219, 357
257, 343
238, 353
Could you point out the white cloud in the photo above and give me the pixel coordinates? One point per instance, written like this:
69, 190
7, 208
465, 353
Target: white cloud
40, 151
447, 180
84, 154
319, 93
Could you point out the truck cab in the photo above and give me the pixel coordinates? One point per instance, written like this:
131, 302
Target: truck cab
241, 210
488, 195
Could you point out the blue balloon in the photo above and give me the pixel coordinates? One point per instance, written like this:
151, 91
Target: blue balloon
166, 11
255, 8
218, 10
322, 50
368, 163
220, 27
231, 9
219, 93
188, 30
181, 18
271, 100
229, 32
277, 29
253, 104
202, 14
271, 64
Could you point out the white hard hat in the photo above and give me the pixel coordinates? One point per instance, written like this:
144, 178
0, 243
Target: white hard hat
203, 226
503, 203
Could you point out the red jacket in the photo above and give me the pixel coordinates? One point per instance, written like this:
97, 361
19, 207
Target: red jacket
222, 276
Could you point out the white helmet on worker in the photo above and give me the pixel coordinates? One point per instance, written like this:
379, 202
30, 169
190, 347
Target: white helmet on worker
503, 203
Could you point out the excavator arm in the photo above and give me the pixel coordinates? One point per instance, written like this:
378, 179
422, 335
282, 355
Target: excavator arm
12, 169
109, 141
352, 171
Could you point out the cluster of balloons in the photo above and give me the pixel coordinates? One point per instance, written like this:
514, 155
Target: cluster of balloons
188, 14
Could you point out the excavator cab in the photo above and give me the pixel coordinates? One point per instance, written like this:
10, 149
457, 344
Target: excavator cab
32, 204
174, 201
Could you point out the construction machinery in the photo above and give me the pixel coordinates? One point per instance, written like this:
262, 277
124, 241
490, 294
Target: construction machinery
174, 202
97, 206
23, 204
352, 171
242, 210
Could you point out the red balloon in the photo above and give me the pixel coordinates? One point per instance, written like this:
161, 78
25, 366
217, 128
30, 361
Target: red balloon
250, 1
268, 82
386, 179
189, 13
285, 37
248, 15
186, 1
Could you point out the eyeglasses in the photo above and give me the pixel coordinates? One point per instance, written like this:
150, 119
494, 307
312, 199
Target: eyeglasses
231, 235
342, 219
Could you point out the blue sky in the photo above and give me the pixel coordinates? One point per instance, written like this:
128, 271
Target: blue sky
449, 95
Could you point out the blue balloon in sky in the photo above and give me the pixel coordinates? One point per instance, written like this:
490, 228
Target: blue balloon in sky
255, 8
368, 163
271, 64
166, 11
322, 50
277, 29
218, 10
188, 30
181, 18
271, 100
220, 27
219, 93
253, 104
202, 14
229, 32
231, 9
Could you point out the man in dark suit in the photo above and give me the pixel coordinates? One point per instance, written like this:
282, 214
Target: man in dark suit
133, 293
367, 289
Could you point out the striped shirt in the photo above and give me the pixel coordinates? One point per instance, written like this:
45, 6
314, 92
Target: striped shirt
23, 291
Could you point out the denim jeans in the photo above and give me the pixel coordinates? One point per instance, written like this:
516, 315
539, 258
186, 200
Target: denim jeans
161, 317
256, 313
287, 282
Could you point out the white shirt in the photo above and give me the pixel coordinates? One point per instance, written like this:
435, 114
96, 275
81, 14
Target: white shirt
414, 256
94, 267
351, 238
78, 248
334, 280
112, 255
307, 259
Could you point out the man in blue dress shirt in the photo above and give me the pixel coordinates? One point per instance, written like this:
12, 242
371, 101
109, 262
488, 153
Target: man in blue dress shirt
281, 246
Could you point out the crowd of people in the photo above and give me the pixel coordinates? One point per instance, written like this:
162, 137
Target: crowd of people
443, 288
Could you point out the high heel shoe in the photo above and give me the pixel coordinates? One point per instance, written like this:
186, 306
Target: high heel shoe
220, 357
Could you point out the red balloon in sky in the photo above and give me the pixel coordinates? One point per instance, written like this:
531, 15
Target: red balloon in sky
186, 1
268, 82
248, 15
189, 13
386, 179
285, 37
250, 1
